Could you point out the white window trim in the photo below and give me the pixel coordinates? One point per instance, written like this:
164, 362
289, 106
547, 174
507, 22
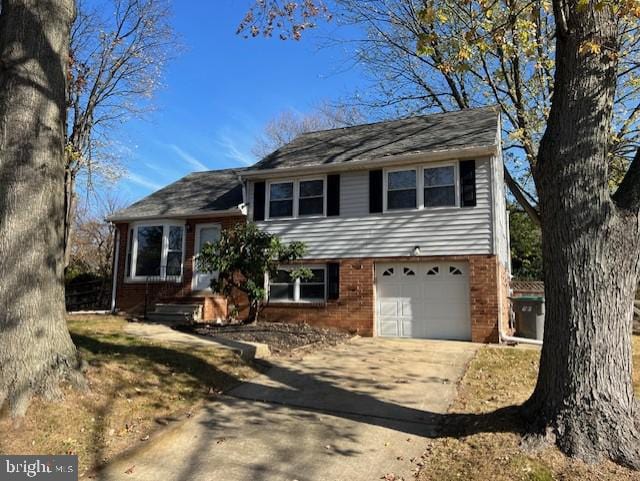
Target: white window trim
296, 286
385, 182
456, 184
419, 169
296, 197
166, 224
196, 242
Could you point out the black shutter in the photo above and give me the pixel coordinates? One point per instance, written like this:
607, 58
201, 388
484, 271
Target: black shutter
333, 280
375, 191
468, 183
258, 200
333, 195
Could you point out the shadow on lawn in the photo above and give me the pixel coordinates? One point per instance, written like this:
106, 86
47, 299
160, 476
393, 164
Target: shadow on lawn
336, 401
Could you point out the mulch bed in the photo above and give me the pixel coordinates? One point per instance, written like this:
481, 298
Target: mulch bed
281, 338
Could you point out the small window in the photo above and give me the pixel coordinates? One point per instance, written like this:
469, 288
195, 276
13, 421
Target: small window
312, 289
283, 288
149, 251
408, 272
439, 186
311, 197
434, 271
388, 273
401, 189
174, 252
281, 199
455, 271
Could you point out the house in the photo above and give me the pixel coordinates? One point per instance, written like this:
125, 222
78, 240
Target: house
405, 224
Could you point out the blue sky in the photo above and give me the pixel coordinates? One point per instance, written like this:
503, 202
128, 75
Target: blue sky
221, 91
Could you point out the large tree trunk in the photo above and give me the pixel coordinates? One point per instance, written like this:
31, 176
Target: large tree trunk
591, 254
36, 351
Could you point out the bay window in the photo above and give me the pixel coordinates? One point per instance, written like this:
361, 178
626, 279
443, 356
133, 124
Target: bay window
156, 250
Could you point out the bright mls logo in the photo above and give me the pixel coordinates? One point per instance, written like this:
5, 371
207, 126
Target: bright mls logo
49, 468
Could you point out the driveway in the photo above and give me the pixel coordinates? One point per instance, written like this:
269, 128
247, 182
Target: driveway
355, 412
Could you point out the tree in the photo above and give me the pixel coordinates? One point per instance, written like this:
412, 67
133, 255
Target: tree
289, 124
442, 55
526, 245
241, 258
36, 351
584, 397
116, 57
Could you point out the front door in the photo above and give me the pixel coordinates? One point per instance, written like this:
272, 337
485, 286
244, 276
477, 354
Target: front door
204, 233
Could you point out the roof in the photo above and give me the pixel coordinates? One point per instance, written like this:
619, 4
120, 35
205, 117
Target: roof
432, 133
198, 193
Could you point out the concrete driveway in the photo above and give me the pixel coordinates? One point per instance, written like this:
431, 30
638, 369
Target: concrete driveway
355, 412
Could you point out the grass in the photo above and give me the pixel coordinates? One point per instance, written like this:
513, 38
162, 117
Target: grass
496, 378
135, 388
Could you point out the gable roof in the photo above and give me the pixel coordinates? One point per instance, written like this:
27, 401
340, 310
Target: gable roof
196, 194
462, 129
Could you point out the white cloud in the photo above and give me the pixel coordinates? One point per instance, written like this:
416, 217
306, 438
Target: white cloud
142, 181
188, 158
231, 150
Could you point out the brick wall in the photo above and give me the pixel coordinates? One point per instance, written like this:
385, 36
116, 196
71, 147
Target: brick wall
352, 312
130, 296
355, 310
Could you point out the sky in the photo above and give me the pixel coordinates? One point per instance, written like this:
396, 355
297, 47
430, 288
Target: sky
219, 93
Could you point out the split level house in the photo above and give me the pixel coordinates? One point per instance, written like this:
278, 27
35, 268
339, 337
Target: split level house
404, 221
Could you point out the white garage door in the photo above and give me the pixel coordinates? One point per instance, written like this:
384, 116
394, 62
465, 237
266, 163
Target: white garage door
423, 300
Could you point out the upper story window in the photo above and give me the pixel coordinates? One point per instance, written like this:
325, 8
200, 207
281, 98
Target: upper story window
156, 250
281, 199
296, 198
440, 186
401, 189
311, 197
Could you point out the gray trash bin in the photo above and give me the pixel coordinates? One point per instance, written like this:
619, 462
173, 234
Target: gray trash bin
529, 312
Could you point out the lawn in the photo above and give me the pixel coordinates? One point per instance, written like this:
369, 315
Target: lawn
500, 377
136, 388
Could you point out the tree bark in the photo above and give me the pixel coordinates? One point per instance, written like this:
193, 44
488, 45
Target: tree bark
591, 250
69, 212
36, 351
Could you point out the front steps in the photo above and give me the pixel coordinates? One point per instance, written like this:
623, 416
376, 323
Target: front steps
175, 313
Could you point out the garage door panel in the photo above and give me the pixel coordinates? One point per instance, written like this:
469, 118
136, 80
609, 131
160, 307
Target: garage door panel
431, 303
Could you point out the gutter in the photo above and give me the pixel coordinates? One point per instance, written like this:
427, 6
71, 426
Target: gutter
358, 164
238, 210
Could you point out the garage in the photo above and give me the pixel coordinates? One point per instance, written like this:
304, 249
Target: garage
423, 300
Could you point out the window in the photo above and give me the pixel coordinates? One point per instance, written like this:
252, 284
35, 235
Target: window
282, 288
281, 199
311, 197
408, 272
401, 189
156, 250
439, 186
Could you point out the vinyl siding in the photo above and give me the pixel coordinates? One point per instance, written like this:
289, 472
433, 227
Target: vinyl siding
356, 233
500, 214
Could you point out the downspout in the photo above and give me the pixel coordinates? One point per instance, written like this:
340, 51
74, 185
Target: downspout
116, 258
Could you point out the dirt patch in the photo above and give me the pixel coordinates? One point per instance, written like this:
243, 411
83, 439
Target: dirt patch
282, 338
499, 377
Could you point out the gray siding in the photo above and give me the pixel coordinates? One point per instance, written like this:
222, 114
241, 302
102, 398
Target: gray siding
356, 233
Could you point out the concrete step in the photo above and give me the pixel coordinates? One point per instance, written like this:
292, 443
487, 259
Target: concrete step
170, 317
177, 308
